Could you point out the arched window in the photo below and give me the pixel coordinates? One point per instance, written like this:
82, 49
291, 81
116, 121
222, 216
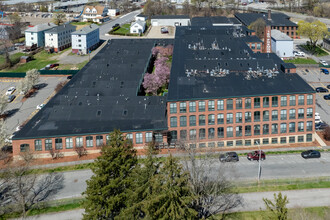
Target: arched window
24, 147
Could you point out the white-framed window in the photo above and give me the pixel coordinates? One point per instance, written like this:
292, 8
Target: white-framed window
68, 143
138, 138
79, 141
148, 137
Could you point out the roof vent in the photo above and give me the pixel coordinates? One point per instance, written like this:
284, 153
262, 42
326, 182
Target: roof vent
125, 112
98, 113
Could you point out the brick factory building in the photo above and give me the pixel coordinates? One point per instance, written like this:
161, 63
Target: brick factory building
221, 94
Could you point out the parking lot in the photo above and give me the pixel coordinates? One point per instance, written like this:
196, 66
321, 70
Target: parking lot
19, 111
316, 78
156, 33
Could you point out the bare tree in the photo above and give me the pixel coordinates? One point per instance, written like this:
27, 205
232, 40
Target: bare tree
27, 189
259, 27
59, 18
3, 104
213, 191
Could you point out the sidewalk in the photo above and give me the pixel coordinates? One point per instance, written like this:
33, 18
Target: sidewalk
251, 202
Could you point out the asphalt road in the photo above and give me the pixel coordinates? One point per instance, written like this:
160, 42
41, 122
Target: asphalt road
106, 27
317, 79
274, 167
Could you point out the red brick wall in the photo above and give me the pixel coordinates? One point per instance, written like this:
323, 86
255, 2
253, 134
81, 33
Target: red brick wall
31, 142
243, 124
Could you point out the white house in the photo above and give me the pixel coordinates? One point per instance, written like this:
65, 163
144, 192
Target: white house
141, 17
59, 37
36, 34
85, 39
282, 44
97, 13
170, 20
138, 27
113, 12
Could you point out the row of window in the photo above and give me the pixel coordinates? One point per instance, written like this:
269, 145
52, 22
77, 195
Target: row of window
237, 131
79, 141
229, 119
263, 141
265, 102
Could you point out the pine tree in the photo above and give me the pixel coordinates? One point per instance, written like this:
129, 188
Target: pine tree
278, 210
106, 190
142, 189
171, 198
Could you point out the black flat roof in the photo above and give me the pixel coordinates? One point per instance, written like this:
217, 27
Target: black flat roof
277, 19
103, 96
213, 21
202, 71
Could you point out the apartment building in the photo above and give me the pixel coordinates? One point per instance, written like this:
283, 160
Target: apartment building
36, 34
85, 39
59, 38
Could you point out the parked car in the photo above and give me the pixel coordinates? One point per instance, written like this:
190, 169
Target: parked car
229, 157
116, 25
311, 154
299, 54
321, 89
69, 77
11, 90
307, 71
326, 97
320, 126
53, 65
324, 63
325, 71
11, 98
164, 30
328, 86
40, 106
254, 155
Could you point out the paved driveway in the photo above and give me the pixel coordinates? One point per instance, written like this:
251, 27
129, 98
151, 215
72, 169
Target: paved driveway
316, 78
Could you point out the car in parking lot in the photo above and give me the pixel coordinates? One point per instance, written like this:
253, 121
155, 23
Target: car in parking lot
321, 89
229, 157
164, 30
53, 65
325, 71
11, 98
11, 90
307, 71
69, 77
40, 106
326, 97
255, 155
320, 126
324, 63
328, 86
311, 154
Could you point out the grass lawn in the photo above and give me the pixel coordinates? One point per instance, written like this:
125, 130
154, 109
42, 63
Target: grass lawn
41, 59
301, 61
309, 213
124, 29
283, 184
12, 57
317, 51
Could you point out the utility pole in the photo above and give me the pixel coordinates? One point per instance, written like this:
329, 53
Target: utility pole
259, 169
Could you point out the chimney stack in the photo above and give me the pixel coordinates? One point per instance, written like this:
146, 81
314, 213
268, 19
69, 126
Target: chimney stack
269, 14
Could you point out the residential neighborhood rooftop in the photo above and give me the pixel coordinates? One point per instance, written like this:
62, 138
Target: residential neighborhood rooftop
41, 27
58, 29
280, 36
86, 29
170, 17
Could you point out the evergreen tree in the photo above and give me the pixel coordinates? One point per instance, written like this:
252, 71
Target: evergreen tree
142, 189
171, 197
278, 209
106, 190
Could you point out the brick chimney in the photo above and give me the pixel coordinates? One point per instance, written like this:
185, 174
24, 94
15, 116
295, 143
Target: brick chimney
269, 15
267, 40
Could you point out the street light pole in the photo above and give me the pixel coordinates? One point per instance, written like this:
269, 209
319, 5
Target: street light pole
259, 169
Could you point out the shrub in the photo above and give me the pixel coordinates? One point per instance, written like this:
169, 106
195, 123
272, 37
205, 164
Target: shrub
81, 151
56, 154
326, 133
